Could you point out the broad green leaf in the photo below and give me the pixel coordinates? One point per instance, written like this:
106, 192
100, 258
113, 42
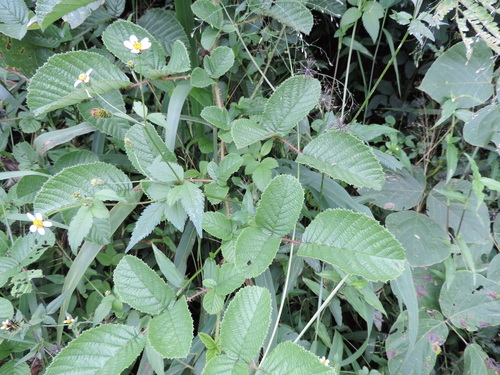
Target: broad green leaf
209, 12
76, 157
246, 322
107, 349
344, 157
229, 278
280, 206
213, 302
425, 242
115, 7
49, 11
453, 76
200, 78
224, 364
169, 173
219, 62
471, 301
227, 166
291, 101
255, 251
79, 227
177, 215
22, 56
147, 222
355, 243
246, 131
13, 367
179, 61
292, 13
292, 359
29, 248
420, 358
6, 309
333, 8
218, 225
402, 190
69, 186
193, 201
8, 268
14, 18
476, 361
350, 16
167, 268
144, 62
216, 116
143, 145
78, 16
372, 13
484, 126
52, 86
105, 121
163, 25
472, 221
22, 282
140, 287
171, 333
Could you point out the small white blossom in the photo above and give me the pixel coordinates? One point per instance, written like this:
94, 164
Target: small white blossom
136, 46
83, 78
324, 361
69, 320
38, 223
5, 324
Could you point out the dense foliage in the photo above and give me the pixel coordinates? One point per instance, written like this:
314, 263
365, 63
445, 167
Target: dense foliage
249, 187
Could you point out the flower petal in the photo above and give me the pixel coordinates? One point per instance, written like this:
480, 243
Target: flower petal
128, 44
47, 224
133, 39
30, 216
39, 216
33, 228
41, 231
77, 83
89, 71
136, 51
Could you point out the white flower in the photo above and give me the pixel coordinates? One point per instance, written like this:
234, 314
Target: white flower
136, 46
38, 223
69, 320
324, 361
83, 78
5, 324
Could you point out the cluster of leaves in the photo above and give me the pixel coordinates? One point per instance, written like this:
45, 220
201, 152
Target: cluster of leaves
263, 218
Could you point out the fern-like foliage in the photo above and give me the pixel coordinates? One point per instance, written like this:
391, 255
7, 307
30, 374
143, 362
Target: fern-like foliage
476, 14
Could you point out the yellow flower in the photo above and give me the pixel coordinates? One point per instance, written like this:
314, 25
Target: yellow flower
38, 223
83, 78
136, 46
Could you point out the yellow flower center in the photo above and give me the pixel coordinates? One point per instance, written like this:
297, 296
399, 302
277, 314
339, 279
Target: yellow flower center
82, 77
137, 45
38, 223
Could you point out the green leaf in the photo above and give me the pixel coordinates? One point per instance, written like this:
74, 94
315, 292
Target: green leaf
219, 62
372, 12
6, 309
21, 283
49, 11
200, 78
107, 349
171, 333
145, 62
8, 268
213, 302
218, 225
291, 101
193, 202
112, 125
46, 141
69, 186
476, 361
140, 287
15, 368
147, 222
292, 13
163, 25
402, 190
227, 166
417, 359
484, 126
292, 359
144, 145
209, 12
216, 116
343, 156
29, 248
280, 206
246, 322
21, 55
13, 11
350, 16
355, 243
229, 278
453, 76
226, 365
246, 131
425, 242
179, 61
167, 268
471, 301
52, 86
255, 251
79, 227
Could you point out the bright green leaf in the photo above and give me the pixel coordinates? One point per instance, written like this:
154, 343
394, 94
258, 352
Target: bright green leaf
49, 11
147, 222
218, 225
219, 62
